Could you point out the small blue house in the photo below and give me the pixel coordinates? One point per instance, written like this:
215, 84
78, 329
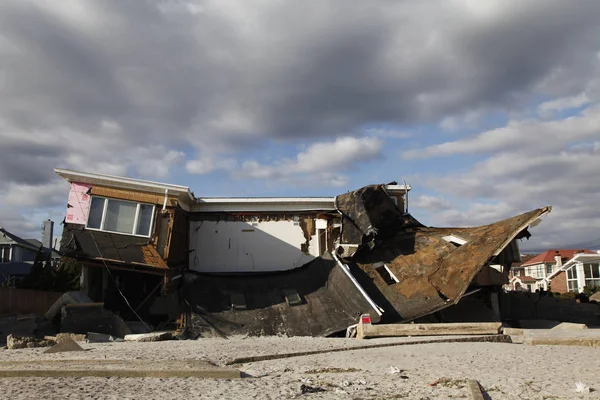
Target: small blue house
17, 255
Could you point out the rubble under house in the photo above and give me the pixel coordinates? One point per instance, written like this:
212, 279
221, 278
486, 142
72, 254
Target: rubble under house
265, 266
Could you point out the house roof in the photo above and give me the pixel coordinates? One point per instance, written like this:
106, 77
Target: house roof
38, 244
548, 256
10, 238
526, 279
524, 260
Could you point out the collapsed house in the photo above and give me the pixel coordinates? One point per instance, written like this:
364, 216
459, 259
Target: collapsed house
264, 266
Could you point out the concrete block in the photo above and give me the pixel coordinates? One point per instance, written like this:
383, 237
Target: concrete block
558, 337
570, 326
513, 331
19, 342
77, 337
149, 337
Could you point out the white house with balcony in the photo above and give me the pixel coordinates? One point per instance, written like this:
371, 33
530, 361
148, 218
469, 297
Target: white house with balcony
547, 264
583, 270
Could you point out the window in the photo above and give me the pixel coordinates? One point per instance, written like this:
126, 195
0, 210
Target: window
548, 269
4, 253
572, 279
455, 240
121, 216
592, 275
385, 273
536, 271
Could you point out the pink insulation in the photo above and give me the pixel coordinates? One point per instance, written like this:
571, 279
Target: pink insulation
79, 203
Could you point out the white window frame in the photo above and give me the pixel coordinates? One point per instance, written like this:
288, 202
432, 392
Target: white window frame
457, 240
135, 219
3, 248
591, 265
574, 278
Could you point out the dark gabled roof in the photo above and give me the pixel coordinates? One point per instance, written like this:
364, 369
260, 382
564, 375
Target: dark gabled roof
38, 244
16, 239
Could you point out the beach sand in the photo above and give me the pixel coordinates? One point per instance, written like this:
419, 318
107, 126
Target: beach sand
422, 371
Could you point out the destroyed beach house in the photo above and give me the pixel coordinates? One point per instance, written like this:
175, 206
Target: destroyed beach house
262, 266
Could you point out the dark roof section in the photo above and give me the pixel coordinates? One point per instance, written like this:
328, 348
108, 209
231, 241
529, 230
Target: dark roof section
432, 272
38, 244
95, 245
329, 301
368, 214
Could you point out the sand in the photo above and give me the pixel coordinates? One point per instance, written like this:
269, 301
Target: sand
426, 371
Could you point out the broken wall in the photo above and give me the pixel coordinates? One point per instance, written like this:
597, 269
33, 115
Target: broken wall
254, 243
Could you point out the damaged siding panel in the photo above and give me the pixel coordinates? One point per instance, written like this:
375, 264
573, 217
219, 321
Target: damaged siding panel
124, 194
78, 205
177, 253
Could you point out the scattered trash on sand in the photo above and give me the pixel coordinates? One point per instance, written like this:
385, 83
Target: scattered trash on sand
581, 387
310, 389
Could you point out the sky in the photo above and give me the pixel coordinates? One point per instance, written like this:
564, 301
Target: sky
487, 108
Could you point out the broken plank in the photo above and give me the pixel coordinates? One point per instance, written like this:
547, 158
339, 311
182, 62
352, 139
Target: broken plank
475, 389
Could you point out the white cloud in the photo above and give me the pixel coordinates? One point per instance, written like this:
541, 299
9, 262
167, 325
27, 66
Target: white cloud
564, 103
319, 159
388, 133
521, 136
557, 169
430, 203
206, 164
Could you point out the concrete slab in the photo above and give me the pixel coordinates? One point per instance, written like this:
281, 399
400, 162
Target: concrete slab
558, 337
401, 342
149, 337
570, 326
116, 368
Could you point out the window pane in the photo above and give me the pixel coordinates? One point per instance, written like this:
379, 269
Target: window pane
572, 286
120, 216
144, 220
593, 283
596, 271
4, 254
548, 269
95, 217
587, 270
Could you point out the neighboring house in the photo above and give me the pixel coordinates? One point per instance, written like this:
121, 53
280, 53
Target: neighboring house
18, 255
582, 270
522, 283
546, 264
517, 279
